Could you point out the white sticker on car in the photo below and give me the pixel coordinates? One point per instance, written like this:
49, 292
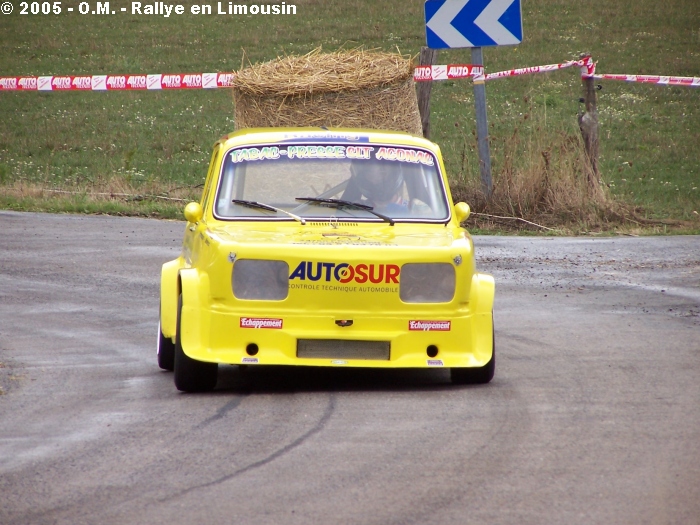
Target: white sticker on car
260, 322
430, 326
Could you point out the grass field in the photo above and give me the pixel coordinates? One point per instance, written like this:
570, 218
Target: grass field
157, 143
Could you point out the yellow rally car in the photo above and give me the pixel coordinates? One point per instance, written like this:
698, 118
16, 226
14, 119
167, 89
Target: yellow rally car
319, 247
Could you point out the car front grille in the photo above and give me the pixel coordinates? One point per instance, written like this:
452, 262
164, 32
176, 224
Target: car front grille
343, 349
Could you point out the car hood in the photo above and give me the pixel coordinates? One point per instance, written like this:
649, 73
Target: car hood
400, 235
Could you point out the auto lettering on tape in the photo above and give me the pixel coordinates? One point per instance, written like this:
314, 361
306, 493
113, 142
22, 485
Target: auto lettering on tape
27, 83
82, 82
192, 81
224, 79
137, 81
171, 81
8, 83
116, 82
61, 83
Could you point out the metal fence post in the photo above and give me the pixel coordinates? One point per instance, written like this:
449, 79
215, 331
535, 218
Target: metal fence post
482, 127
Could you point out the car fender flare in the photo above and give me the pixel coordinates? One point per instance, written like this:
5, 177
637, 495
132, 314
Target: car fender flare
193, 287
482, 293
482, 297
169, 292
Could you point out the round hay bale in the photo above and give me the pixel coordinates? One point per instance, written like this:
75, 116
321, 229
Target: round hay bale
347, 88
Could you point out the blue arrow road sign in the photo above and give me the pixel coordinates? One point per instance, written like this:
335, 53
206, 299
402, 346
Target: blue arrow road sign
472, 23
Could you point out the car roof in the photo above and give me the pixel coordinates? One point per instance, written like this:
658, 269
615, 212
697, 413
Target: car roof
318, 134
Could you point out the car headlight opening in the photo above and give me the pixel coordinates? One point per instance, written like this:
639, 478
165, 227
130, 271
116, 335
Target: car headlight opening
427, 283
262, 280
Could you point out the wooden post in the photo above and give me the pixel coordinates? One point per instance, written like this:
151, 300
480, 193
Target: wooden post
588, 124
428, 57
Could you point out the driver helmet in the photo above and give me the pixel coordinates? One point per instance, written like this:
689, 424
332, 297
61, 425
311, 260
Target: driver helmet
378, 182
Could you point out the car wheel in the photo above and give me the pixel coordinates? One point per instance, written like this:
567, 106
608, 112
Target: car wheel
166, 351
191, 375
481, 375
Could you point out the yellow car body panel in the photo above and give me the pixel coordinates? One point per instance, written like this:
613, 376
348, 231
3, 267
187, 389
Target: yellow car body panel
344, 287
169, 293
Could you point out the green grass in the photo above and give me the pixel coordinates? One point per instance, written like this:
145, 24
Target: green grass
161, 140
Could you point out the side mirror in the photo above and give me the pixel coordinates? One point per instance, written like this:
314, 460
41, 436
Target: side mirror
462, 211
194, 212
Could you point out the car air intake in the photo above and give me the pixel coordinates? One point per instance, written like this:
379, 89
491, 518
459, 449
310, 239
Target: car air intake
343, 349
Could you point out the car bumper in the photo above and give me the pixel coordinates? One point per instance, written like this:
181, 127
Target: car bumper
221, 334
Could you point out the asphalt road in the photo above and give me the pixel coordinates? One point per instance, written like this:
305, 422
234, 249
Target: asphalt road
593, 416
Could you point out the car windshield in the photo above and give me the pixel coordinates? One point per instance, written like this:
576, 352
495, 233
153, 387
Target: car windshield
331, 181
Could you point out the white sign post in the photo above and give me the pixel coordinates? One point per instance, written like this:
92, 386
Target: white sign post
475, 23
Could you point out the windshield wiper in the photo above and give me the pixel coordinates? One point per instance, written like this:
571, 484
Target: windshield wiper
340, 203
262, 206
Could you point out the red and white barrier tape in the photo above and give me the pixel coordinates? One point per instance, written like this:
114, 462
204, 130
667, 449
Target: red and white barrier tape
117, 82
188, 81
448, 72
585, 65
223, 80
654, 79
428, 73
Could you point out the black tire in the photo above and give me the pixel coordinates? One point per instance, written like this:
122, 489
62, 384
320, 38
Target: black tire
192, 375
165, 351
476, 376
